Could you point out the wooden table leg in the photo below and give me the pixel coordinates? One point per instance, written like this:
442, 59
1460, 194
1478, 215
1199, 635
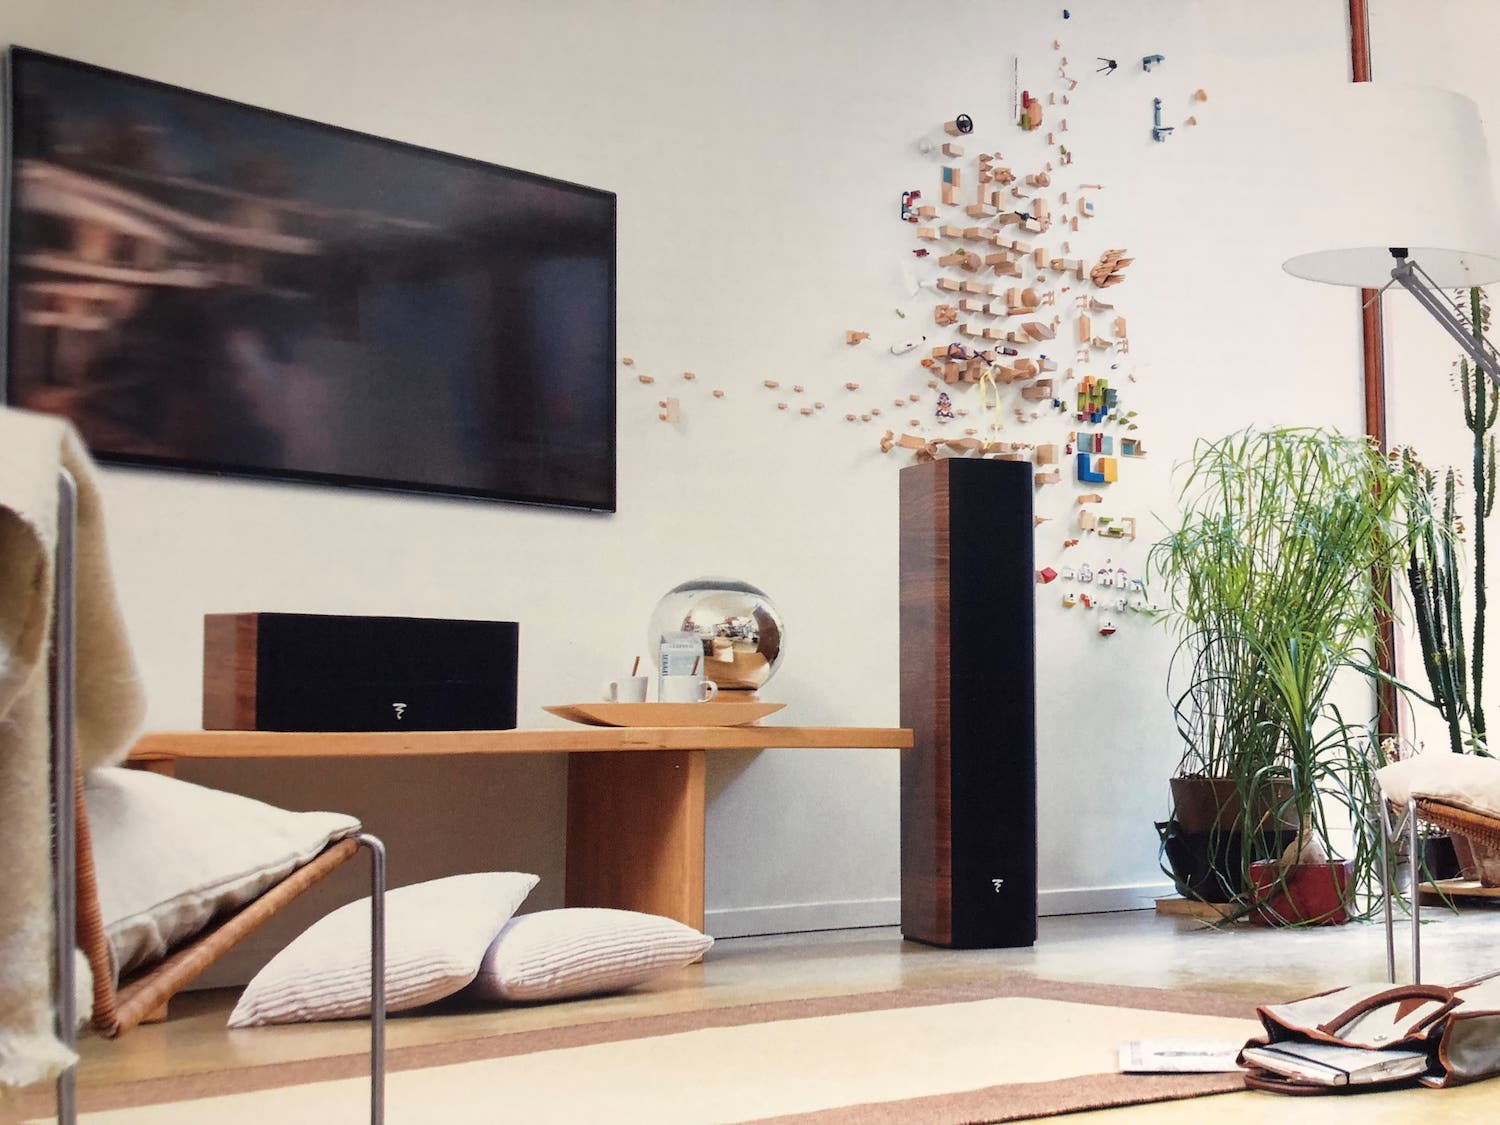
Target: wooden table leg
167, 767
635, 832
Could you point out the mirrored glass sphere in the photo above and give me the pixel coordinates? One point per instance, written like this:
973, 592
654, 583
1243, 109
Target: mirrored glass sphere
740, 627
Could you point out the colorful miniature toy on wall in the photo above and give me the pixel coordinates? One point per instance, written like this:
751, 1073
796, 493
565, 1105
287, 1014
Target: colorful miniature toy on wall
1031, 111
952, 180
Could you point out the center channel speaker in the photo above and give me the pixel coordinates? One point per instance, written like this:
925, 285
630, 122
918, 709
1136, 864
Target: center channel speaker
327, 672
968, 785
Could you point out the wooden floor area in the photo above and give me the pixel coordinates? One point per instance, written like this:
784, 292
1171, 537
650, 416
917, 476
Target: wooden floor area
1136, 948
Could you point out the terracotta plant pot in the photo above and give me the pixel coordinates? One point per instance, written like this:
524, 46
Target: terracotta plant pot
1212, 804
1467, 868
1306, 893
1476, 861
1203, 843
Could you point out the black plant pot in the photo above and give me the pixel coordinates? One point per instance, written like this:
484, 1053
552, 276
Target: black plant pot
1210, 866
1439, 860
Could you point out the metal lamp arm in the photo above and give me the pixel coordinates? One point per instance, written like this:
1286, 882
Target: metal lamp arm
1410, 277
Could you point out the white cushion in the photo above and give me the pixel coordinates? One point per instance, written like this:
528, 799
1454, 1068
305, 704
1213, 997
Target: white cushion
436, 935
1465, 780
578, 951
170, 856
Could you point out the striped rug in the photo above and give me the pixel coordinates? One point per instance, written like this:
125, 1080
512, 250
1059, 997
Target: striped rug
1005, 1049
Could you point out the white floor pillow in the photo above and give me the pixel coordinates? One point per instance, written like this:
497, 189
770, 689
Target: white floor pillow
170, 856
578, 951
1465, 780
436, 935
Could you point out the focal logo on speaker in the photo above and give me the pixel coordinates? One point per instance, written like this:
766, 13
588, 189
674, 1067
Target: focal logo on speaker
400, 709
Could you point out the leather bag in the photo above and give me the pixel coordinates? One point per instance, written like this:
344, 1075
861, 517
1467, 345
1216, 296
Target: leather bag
1458, 1027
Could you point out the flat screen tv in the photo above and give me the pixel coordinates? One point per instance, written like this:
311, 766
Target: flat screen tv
201, 284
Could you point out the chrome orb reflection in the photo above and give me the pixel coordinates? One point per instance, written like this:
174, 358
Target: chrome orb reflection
740, 627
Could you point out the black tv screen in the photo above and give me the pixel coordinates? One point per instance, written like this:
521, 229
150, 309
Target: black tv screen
201, 284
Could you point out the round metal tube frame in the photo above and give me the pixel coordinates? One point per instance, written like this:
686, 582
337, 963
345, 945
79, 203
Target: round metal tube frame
64, 828
377, 975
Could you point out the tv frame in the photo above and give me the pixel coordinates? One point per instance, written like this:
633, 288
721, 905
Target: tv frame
9, 204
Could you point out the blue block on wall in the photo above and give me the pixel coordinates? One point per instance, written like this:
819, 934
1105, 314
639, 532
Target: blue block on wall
1086, 471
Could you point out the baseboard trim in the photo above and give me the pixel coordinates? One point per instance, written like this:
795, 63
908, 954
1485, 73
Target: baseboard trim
1101, 900
801, 917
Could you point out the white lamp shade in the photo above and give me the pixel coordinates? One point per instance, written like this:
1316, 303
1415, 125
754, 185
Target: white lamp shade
1396, 166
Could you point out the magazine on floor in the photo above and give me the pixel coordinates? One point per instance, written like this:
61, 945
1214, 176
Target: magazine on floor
1179, 1056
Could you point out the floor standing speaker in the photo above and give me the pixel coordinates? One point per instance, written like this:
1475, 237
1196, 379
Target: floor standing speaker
968, 785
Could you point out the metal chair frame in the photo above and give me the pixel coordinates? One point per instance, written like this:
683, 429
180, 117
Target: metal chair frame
1389, 832
65, 838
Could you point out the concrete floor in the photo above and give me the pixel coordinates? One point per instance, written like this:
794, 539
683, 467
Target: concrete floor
1133, 948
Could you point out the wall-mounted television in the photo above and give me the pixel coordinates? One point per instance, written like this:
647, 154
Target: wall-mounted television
201, 284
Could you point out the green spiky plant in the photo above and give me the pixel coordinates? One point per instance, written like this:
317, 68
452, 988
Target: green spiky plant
1434, 579
1268, 571
1479, 416
1435, 585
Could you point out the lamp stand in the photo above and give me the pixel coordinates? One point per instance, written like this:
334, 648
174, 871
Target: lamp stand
1411, 277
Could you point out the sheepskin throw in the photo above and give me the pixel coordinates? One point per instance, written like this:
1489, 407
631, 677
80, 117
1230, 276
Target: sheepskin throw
34, 448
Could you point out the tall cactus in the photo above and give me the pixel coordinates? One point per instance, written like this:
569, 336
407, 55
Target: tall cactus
1481, 406
1436, 594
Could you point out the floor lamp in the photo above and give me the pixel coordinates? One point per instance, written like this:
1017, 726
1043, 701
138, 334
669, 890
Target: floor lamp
1403, 197
1401, 194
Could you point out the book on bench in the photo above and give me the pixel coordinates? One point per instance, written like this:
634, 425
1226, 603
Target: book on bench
1333, 1064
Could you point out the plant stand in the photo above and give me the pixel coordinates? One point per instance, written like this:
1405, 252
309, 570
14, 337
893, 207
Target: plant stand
1175, 906
1436, 894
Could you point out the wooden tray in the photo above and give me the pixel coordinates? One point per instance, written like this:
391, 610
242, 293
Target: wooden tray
716, 714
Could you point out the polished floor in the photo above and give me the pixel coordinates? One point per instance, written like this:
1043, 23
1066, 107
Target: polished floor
1135, 948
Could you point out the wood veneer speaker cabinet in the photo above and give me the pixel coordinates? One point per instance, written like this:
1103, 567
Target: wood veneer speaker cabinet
329, 672
968, 785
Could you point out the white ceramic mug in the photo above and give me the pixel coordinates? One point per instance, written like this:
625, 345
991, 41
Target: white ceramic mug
687, 689
627, 689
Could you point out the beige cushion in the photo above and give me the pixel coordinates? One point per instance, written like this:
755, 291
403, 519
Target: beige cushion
1465, 780
436, 935
577, 951
170, 855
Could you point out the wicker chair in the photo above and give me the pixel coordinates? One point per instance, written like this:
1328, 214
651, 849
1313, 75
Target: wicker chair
143, 996
1482, 832
77, 915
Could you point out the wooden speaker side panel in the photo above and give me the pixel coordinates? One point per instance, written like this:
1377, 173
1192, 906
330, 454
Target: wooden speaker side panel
926, 804
230, 646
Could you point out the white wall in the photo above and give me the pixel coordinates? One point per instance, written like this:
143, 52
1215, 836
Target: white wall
759, 152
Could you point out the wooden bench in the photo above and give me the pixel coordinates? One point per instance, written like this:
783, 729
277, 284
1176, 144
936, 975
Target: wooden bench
635, 832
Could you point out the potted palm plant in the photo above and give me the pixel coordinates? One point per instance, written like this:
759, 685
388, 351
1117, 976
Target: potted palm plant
1268, 574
